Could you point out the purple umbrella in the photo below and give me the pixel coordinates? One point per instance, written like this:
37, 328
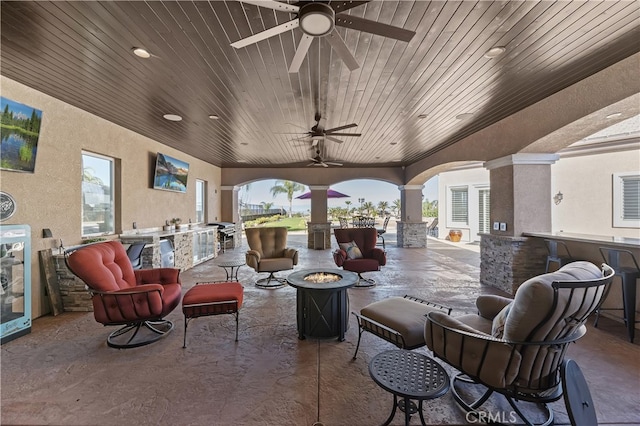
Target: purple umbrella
330, 194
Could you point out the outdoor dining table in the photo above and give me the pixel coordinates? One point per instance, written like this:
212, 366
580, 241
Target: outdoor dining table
363, 222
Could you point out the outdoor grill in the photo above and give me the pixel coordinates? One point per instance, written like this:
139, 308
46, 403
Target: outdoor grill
226, 232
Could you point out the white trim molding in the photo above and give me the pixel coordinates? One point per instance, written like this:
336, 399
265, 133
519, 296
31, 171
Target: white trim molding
409, 187
521, 159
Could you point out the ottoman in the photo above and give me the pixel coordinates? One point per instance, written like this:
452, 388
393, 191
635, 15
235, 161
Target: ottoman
212, 298
398, 320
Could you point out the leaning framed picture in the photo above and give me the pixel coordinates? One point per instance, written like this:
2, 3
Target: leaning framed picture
19, 129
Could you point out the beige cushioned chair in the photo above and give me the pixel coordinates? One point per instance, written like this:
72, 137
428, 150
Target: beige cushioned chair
516, 347
268, 252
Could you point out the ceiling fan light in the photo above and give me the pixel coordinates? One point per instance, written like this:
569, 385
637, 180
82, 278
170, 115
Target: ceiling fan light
172, 117
317, 19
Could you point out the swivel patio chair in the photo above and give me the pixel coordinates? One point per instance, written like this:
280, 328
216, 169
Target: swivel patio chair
137, 300
358, 253
517, 347
558, 253
268, 252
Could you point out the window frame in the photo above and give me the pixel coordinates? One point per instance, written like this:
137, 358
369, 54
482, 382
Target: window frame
450, 207
201, 190
618, 201
112, 195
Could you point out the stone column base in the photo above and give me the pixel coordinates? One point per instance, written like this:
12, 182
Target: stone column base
312, 228
506, 262
412, 234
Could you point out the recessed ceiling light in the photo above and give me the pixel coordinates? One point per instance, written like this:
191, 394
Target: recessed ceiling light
214, 117
614, 115
172, 117
141, 52
242, 161
422, 116
494, 52
464, 116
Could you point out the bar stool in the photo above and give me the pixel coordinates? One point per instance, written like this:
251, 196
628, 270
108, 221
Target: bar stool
628, 275
554, 255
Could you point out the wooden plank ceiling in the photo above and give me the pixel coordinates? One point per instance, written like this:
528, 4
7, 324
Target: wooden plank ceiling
405, 97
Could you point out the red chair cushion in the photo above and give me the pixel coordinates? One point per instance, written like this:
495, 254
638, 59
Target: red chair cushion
200, 299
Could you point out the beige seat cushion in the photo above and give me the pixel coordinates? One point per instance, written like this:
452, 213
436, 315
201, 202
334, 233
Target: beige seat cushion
406, 316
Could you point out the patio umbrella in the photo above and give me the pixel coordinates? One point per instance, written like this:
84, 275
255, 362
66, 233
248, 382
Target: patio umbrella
330, 194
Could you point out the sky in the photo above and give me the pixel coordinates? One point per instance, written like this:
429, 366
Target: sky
371, 190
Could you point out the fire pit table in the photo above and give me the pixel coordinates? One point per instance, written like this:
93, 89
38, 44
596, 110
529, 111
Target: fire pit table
323, 301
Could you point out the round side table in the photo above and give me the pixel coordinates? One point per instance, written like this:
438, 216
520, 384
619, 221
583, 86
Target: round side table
410, 376
231, 268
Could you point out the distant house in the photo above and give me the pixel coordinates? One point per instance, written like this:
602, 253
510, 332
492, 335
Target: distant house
595, 189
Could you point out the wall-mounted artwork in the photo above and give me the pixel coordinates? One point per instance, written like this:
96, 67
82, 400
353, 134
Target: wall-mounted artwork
19, 129
170, 174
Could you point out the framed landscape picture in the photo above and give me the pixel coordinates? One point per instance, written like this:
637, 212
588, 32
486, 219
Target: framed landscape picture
19, 128
170, 174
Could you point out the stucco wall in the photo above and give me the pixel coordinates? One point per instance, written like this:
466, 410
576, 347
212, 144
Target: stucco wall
51, 196
587, 192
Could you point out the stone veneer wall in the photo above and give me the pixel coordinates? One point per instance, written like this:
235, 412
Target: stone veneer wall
75, 296
412, 234
318, 227
507, 262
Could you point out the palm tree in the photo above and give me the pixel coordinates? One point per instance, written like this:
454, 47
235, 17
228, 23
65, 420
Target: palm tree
368, 207
348, 203
383, 206
266, 206
396, 208
289, 188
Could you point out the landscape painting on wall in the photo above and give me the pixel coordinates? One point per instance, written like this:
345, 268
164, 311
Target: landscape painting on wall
19, 128
170, 174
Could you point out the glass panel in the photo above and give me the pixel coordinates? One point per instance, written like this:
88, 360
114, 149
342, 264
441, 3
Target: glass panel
200, 200
459, 205
12, 279
97, 195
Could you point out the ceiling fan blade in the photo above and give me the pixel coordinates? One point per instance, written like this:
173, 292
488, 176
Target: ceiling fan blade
346, 134
343, 6
337, 43
303, 47
373, 27
332, 139
279, 29
275, 5
346, 126
323, 164
333, 163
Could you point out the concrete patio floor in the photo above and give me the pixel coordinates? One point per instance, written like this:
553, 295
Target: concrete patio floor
64, 374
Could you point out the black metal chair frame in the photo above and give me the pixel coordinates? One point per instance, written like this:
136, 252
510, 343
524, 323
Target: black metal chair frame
383, 230
628, 279
388, 333
549, 390
220, 307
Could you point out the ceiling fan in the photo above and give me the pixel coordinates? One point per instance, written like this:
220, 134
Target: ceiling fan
319, 132
320, 162
318, 19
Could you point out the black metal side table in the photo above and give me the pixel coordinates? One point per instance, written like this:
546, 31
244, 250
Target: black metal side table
231, 268
410, 376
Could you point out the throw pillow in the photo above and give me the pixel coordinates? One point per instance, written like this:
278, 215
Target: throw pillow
353, 252
497, 327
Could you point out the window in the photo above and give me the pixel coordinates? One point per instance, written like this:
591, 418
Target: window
626, 200
201, 191
484, 211
459, 206
97, 195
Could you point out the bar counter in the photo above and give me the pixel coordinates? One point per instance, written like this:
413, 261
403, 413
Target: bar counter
586, 247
